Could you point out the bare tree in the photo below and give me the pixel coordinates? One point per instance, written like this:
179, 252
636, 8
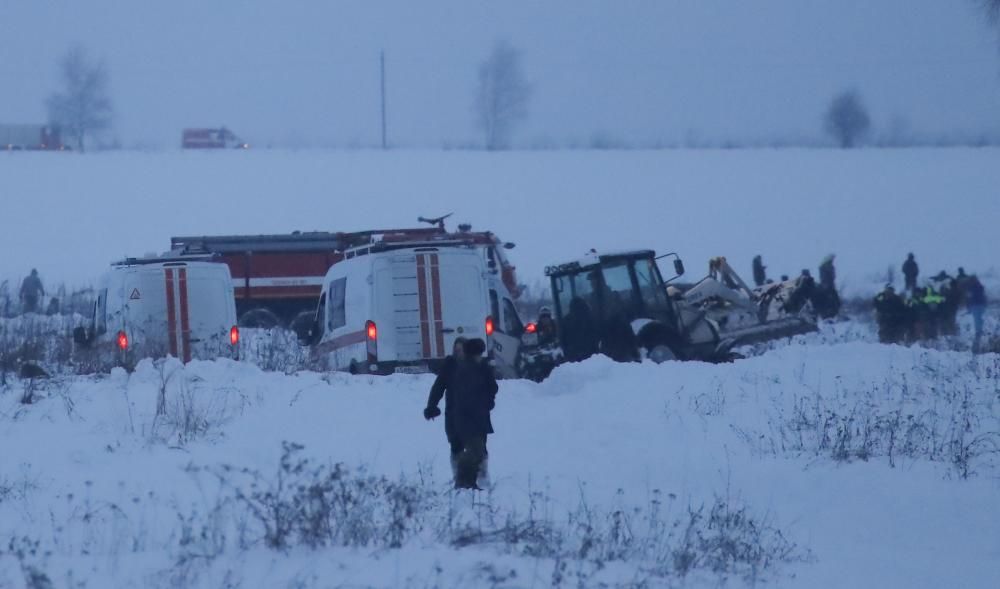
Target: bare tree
992, 8
502, 96
82, 107
847, 119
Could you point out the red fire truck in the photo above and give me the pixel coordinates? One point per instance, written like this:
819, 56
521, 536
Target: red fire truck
278, 278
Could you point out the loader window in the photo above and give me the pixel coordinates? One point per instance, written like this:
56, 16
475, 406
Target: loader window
618, 294
650, 289
574, 286
338, 308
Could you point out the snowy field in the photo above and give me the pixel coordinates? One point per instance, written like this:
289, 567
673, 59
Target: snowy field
824, 461
817, 464
71, 214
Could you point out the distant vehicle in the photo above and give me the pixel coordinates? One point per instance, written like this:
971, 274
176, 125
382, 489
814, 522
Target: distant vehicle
30, 137
155, 307
278, 278
221, 138
396, 308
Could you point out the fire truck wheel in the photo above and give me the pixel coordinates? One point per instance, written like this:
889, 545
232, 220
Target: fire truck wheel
259, 318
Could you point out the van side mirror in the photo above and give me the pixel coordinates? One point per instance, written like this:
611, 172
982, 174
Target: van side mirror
678, 267
81, 336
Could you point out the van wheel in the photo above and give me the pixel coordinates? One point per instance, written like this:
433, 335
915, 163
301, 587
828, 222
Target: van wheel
661, 353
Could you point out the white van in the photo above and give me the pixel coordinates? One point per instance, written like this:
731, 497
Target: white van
155, 307
400, 310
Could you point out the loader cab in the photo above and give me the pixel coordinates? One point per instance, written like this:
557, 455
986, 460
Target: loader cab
597, 296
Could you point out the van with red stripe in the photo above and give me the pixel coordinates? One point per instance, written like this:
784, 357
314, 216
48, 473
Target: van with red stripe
157, 307
399, 309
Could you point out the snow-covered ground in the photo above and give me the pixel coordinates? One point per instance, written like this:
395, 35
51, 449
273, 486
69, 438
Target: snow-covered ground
858, 465
71, 214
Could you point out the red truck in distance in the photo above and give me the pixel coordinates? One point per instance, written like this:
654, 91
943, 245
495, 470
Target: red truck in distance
221, 138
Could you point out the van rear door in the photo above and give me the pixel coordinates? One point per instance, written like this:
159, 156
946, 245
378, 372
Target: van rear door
197, 305
437, 296
210, 312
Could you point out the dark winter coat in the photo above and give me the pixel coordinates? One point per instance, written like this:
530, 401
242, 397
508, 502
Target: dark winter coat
910, 272
32, 287
827, 275
580, 333
469, 390
759, 273
975, 294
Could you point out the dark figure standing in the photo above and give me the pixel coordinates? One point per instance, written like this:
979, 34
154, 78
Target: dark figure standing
826, 300
891, 313
827, 273
469, 389
805, 290
32, 292
580, 337
975, 301
910, 273
759, 271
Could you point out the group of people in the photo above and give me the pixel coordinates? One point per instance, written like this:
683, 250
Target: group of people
823, 295
928, 311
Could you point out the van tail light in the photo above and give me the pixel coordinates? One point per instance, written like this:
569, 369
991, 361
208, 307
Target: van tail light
371, 336
234, 335
489, 326
530, 328
122, 340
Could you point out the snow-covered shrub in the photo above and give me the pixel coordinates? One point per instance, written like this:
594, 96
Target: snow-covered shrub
942, 417
274, 350
317, 505
724, 537
185, 407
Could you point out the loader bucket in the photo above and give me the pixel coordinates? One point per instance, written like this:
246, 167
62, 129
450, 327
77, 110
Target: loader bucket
771, 330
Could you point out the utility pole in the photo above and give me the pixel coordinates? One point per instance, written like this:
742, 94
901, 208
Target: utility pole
385, 144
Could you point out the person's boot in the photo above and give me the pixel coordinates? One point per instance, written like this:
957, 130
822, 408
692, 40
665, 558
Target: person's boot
454, 469
467, 471
483, 480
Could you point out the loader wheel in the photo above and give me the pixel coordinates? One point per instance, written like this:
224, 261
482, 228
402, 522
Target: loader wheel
661, 353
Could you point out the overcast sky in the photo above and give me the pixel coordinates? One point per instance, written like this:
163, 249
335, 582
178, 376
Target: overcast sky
305, 72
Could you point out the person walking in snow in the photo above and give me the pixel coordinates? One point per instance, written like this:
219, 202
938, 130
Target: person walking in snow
910, 273
32, 292
469, 388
